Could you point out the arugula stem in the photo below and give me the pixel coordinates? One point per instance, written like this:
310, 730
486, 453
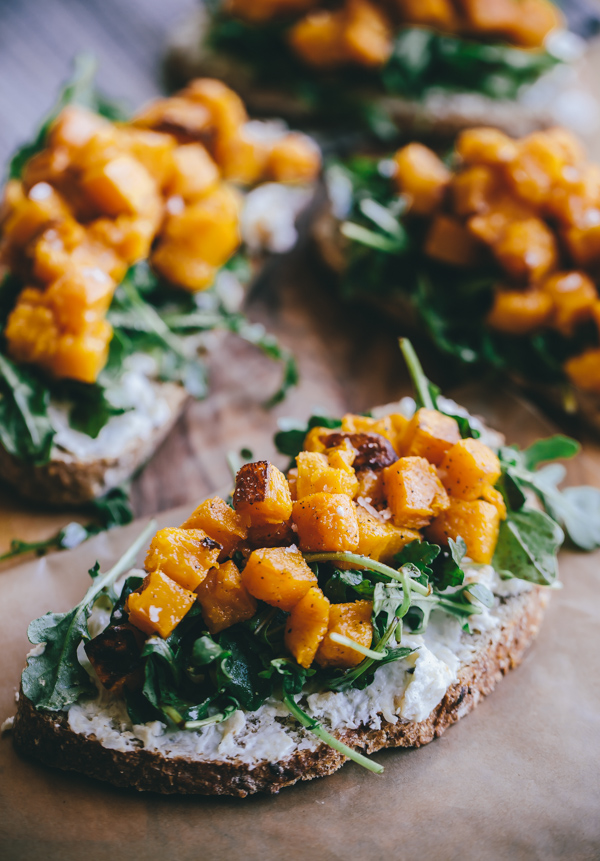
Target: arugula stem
358, 647
315, 727
371, 565
125, 562
198, 724
417, 375
152, 318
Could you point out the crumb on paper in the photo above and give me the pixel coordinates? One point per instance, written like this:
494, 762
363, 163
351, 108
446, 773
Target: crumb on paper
7, 725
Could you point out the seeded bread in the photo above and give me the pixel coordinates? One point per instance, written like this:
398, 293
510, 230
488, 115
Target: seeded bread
47, 736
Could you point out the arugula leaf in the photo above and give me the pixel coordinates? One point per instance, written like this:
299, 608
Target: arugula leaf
551, 448
54, 678
25, 429
239, 671
345, 585
421, 554
527, 546
448, 571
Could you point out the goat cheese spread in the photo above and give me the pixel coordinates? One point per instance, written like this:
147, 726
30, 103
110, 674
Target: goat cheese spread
406, 690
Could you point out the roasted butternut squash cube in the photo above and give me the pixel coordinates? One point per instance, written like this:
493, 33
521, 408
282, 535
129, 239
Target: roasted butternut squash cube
473, 190
278, 575
182, 266
477, 522
352, 621
226, 109
449, 241
315, 475
318, 39
468, 467
262, 494
243, 157
485, 146
539, 164
518, 312
430, 434
31, 331
159, 605
583, 242
155, 150
219, 522
313, 441
422, 177
184, 555
82, 357
490, 226
385, 426
584, 370
53, 250
32, 212
272, 535
121, 185
487, 17
380, 540
434, 13
342, 456
306, 626
371, 487
573, 295
208, 228
367, 35
572, 149
129, 236
414, 492
326, 522
80, 297
527, 250
294, 158
495, 498
224, 599
534, 20
74, 127
194, 172
181, 117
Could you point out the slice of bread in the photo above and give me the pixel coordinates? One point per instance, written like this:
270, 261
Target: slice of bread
48, 736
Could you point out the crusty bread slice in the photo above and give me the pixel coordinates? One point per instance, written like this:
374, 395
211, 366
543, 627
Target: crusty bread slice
69, 480
48, 737
439, 114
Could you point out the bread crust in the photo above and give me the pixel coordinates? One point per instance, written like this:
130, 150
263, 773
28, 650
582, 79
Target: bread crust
67, 480
48, 737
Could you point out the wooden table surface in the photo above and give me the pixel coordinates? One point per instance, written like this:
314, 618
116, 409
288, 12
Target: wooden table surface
348, 356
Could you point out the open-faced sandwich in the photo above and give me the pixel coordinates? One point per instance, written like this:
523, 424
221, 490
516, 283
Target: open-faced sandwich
430, 66
368, 598
122, 243
494, 252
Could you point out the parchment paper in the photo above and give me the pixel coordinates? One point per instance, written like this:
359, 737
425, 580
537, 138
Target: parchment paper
519, 778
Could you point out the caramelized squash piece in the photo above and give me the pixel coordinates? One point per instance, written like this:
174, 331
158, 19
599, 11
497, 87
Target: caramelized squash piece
194, 172
573, 295
379, 540
468, 467
224, 599
518, 312
527, 250
367, 35
159, 605
430, 434
220, 522
306, 626
272, 535
318, 39
485, 146
294, 158
185, 555
414, 492
584, 370
477, 522
326, 522
315, 475
422, 177
121, 185
352, 621
278, 575
450, 242
262, 494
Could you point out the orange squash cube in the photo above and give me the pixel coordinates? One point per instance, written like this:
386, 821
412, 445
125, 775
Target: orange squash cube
422, 177
352, 621
194, 172
313, 439
28, 214
207, 228
129, 236
183, 267
326, 522
74, 127
294, 158
318, 39
367, 35
315, 475
154, 150
181, 117
584, 370
433, 13
226, 109
306, 626
495, 498
573, 295
121, 185
365, 424
31, 331
414, 492
159, 605
371, 487
184, 555
272, 535
473, 190
378, 540
82, 357
477, 522
278, 575
449, 241
219, 522
518, 312
538, 165
430, 434
485, 146
583, 242
527, 250
533, 21
262, 494
224, 599
468, 467
80, 297
490, 226
342, 456
243, 157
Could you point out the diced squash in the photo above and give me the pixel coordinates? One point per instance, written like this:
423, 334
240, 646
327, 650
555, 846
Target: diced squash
490, 226
307, 625
226, 109
194, 172
159, 605
243, 157
584, 370
31, 331
414, 492
370, 486
534, 20
82, 357
518, 312
342, 456
184, 555
315, 475
224, 599
573, 295
477, 522
313, 439
379, 540
385, 427
278, 575
352, 621
74, 127
181, 117
473, 190
326, 522
489, 17
449, 241
220, 522
294, 158
272, 535
80, 297
494, 497
154, 150
367, 35
539, 163
129, 236
422, 177
583, 243
430, 434
262, 494
182, 266
485, 146
121, 185
207, 228
440, 14
372, 450
468, 467
32, 212
527, 250
318, 39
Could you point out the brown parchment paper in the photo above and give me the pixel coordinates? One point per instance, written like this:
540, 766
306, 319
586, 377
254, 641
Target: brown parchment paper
519, 778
